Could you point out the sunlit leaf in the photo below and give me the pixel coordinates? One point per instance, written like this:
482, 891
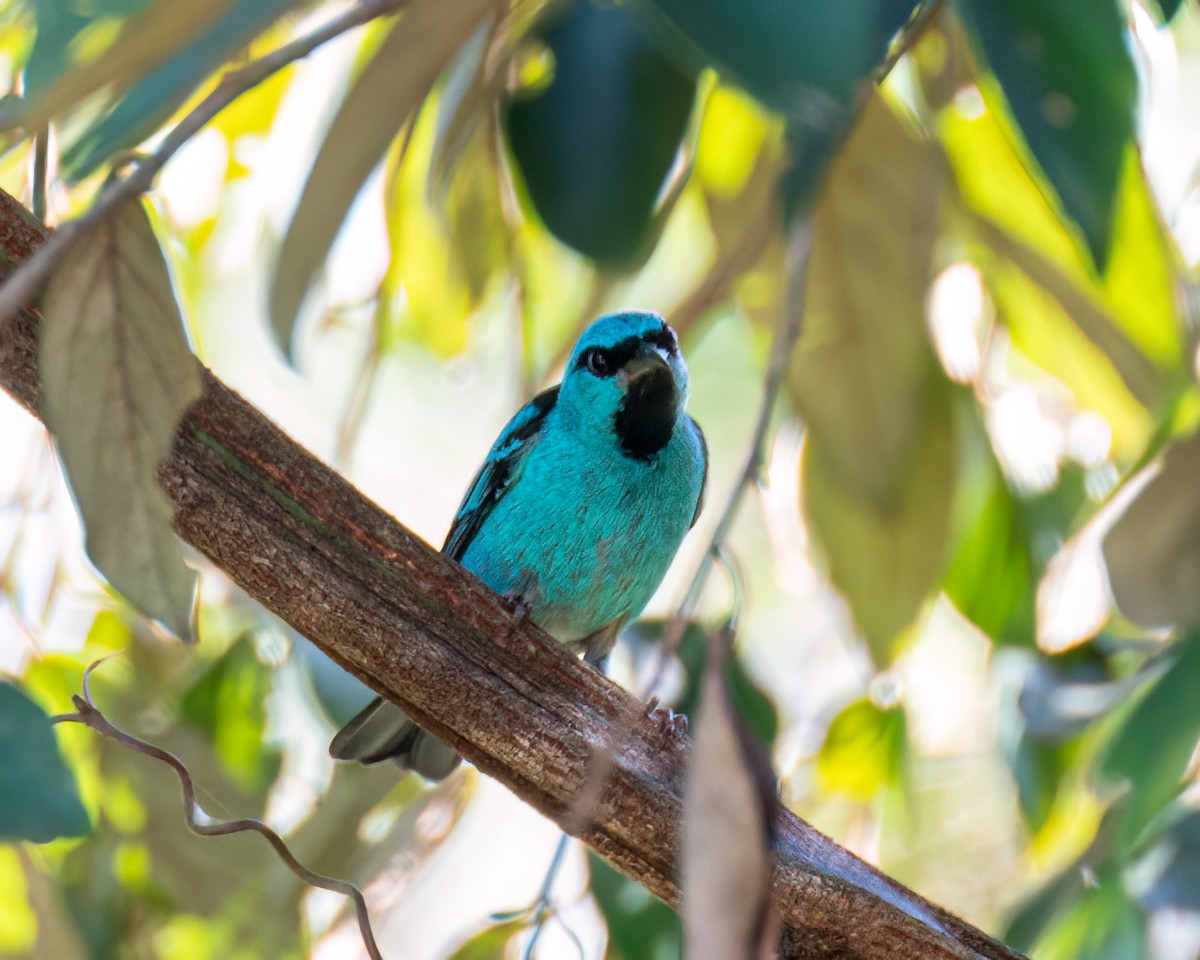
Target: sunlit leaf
864, 750
861, 372
992, 578
161, 91
595, 146
18, 920
117, 376
38, 797
729, 805
886, 564
491, 943
1152, 748
1136, 371
1068, 77
1153, 550
640, 926
384, 97
146, 39
228, 704
445, 248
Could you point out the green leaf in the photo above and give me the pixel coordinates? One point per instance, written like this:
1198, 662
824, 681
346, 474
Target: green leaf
148, 38
38, 797
117, 377
1153, 747
596, 144
228, 704
795, 57
1104, 924
158, 94
640, 926
861, 372
864, 750
809, 61
1067, 74
492, 942
59, 23
886, 564
385, 96
1153, 550
992, 578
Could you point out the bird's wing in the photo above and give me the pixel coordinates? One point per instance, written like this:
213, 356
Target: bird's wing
498, 472
704, 476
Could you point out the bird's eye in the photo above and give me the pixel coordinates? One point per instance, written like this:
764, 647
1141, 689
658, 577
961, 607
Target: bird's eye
597, 362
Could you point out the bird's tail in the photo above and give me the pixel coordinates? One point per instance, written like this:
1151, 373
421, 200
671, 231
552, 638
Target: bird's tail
381, 731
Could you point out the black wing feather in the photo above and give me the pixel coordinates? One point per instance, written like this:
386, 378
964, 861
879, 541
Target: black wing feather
498, 472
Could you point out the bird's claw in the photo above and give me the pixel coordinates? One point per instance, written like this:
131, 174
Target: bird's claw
666, 720
519, 604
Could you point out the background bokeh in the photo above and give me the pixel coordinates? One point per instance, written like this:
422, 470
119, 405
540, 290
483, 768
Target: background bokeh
928, 635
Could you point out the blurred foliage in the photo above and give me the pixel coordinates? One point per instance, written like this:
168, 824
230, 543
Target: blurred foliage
997, 357
38, 798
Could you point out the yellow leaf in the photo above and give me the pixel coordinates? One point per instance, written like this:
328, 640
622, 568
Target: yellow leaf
861, 371
383, 99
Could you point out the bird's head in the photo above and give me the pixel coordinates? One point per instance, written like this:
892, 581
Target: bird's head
626, 378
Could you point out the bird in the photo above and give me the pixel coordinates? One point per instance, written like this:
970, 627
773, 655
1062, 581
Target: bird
576, 513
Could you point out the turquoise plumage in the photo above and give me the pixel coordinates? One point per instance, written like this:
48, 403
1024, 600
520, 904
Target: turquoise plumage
577, 511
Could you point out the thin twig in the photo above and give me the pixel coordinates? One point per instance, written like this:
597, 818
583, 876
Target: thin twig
25, 282
200, 823
541, 911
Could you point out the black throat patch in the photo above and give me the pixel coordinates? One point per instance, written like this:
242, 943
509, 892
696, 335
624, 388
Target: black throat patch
646, 416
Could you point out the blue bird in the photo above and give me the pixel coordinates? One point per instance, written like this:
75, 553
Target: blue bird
577, 511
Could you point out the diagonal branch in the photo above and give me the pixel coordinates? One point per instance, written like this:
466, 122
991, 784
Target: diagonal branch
426, 634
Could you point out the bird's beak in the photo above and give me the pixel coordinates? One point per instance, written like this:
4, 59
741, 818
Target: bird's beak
647, 362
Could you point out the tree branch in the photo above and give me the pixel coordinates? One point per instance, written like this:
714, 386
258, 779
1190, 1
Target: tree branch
428, 635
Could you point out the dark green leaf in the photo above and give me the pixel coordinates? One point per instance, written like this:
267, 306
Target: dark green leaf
806, 60
161, 92
1067, 74
58, 23
752, 704
640, 926
1168, 8
384, 97
38, 797
595, 146
802, 59
117, 376
1151, 750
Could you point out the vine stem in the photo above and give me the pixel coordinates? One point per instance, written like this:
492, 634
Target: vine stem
27, 280
200, 823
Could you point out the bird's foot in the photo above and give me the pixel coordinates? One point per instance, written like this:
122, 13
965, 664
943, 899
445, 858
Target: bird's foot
667, 721
519, 604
